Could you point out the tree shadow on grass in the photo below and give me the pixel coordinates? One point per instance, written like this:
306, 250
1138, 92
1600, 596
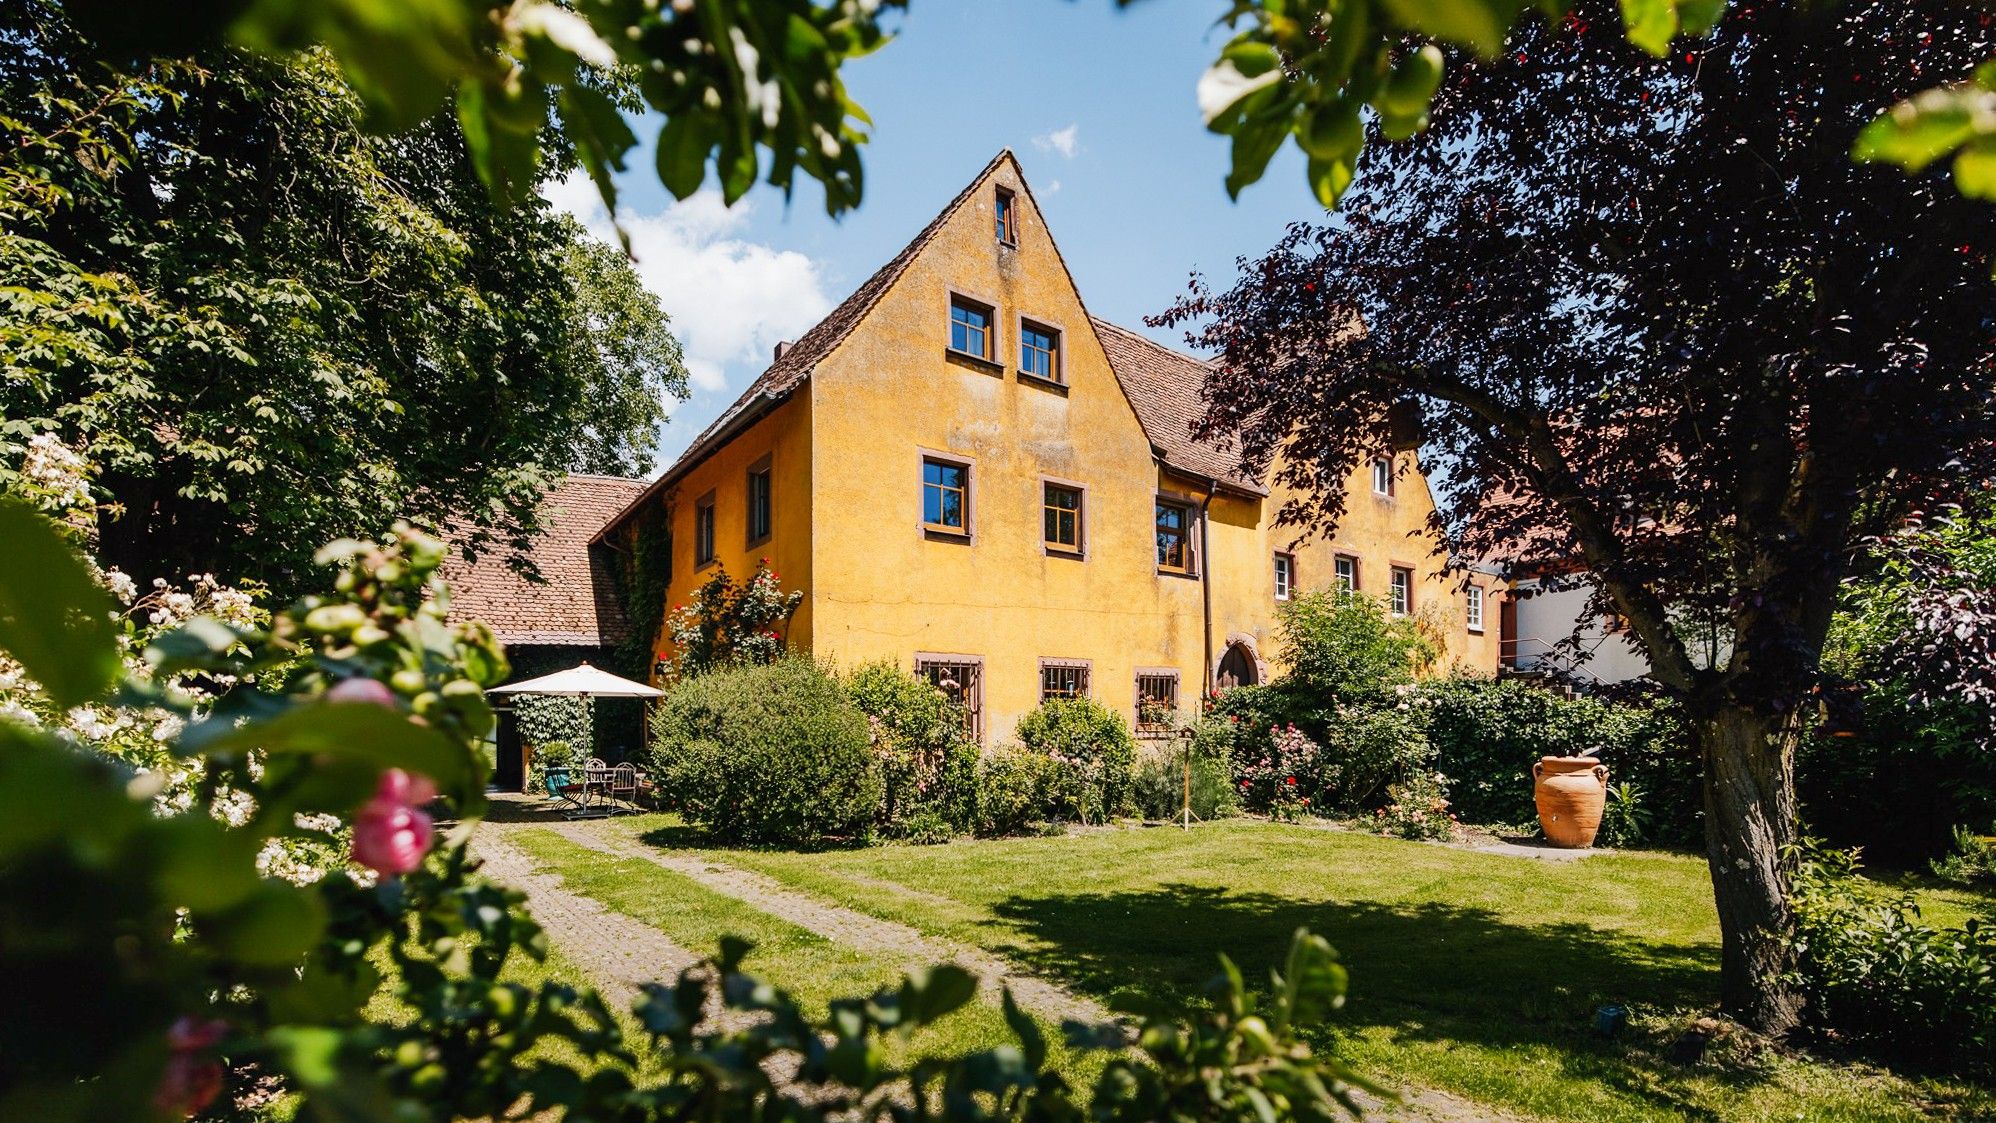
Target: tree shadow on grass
1426, 973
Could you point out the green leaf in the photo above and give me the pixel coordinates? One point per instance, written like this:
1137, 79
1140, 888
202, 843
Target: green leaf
195, 645
1650, 24
273, 927
1031, 1041
1922, 129
352, 731
927, 995
682, 154
1478, 24
55, 620
1699, 17
1975, 170
309, 1053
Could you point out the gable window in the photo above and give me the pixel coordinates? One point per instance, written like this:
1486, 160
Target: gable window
1472, 611
1285, 575
1063, 678
1345, 568
1039, 351
970, 329
1061, 505
1382, 476
1008, 218
1157, 701
758, 502
703, 529
1403, 590
961, 679
1174, 536
945, 495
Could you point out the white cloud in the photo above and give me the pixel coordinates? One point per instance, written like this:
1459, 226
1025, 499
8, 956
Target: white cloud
1065, 141
730, 300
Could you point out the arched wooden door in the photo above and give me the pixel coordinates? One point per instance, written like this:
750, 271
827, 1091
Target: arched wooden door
1238, 667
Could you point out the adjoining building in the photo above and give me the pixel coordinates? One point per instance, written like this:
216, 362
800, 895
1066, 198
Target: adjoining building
970, 476
562, 609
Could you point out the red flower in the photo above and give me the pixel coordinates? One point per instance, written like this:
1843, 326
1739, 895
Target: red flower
192, 1080
1291, 781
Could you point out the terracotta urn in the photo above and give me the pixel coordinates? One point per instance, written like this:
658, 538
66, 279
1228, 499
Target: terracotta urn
1570, 791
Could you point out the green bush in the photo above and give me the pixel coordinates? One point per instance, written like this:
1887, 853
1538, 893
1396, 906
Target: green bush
1972, 862
1345, 646
1366, 749
1880, 978
1013, 790
775, 753
1488, 733
928, 766
1159, 789
1095, 750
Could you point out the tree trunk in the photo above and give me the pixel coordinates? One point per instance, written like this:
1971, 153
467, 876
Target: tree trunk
1749, 758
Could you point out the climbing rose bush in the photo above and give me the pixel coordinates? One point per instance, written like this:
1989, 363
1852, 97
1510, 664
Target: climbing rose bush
726, 624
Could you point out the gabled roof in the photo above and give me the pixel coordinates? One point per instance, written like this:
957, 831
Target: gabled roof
1164, 387
576, 604
798, 360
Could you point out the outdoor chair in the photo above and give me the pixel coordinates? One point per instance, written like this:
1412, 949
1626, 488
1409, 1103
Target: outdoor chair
624, 785
563, 790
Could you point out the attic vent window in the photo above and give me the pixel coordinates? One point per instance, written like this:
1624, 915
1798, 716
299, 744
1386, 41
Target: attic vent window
782, 346
1007, 218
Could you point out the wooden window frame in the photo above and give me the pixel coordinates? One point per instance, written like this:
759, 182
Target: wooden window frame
1284, 590
989, 357
1080, 547
1393, 572
1086, 680
938, 531
974, 709
706, 540
760, 468
1475, 596
1191, 509
1057, 380
1005, 216
1391, 474
1353, 559
1137, 698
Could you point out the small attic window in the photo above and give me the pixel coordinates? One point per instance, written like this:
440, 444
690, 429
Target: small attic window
1007, 212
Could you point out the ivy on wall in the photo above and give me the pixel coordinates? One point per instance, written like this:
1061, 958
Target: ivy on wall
643, 569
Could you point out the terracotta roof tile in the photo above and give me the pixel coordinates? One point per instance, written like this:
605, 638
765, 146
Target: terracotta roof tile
1164, 388
576, 604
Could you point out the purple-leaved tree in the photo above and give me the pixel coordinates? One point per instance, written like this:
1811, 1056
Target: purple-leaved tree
1653, 319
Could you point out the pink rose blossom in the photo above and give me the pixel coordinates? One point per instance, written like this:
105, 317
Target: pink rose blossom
411, 788
390, 837
371, 691
192, 1080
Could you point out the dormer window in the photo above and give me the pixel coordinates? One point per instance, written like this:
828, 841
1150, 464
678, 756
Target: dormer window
1382, 477
1007, 218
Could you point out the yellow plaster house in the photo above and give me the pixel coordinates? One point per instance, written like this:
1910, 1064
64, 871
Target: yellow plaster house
968, 475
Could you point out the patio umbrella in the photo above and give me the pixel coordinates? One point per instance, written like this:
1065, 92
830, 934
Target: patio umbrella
583, 681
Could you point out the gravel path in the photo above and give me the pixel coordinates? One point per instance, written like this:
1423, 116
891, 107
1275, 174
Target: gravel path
847, 926
614, 950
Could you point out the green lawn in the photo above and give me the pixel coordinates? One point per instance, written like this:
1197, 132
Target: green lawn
1471, 972
813, 969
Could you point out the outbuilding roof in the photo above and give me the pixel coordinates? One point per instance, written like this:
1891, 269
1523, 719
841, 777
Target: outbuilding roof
1164, 387
575, 603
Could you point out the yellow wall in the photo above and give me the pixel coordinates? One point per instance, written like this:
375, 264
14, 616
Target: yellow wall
887, 590
1387, 531
847, 451
784, 435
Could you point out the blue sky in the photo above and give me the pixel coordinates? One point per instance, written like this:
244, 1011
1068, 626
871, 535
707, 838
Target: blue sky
1098, 104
